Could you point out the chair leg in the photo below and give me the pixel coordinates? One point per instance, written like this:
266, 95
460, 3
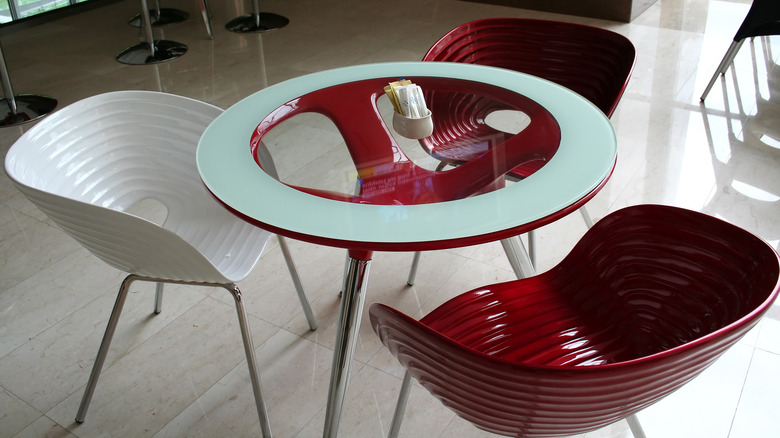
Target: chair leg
113, 320
158, 298
636, 428
518, 257
723, 66
586, 217
400, 406
243, 323
297, 282
413, 269
532, 247
522, 261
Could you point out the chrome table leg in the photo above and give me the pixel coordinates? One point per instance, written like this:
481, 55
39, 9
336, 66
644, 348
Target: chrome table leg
352, 303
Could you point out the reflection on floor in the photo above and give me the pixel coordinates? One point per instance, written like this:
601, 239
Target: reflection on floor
176, 374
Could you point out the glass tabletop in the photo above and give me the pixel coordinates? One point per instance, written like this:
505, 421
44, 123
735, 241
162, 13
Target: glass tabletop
387, 193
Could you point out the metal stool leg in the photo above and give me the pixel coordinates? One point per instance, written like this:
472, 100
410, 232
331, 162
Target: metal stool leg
21, 108
151, 51
257, 21
160, 17
206, 12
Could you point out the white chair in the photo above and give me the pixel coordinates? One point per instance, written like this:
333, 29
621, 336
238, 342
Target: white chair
88, 163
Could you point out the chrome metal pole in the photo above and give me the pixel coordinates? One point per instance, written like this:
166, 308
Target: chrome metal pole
352, 303
8, 90
257, 21
147, 25
256, 12
113, 320
249, 349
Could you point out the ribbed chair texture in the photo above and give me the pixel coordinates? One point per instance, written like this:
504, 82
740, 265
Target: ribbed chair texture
762, 19
88, 163
595, 63
645, 301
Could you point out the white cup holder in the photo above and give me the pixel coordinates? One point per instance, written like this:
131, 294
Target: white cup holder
413, 128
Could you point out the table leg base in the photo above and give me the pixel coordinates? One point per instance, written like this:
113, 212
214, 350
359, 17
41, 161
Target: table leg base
141, 54
29, 107
166, 17
248, 23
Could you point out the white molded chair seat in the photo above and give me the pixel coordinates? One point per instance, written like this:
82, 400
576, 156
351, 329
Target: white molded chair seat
88, 163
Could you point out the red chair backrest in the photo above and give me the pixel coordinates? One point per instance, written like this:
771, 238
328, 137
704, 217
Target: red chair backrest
594, 62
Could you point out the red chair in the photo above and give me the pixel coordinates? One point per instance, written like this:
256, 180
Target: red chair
648, 298
596, 63
762, 19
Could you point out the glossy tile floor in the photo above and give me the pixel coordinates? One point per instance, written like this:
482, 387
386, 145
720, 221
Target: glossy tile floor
182, 373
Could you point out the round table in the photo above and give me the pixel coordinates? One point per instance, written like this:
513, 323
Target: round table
581, 160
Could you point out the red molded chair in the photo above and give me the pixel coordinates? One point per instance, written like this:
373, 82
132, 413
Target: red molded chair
762, 19
595, 63
648, 298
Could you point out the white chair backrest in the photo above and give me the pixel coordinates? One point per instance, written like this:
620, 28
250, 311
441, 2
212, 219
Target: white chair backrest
88, 163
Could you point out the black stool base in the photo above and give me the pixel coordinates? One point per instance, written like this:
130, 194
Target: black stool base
248, 23
166, 17
141, 53
29, 107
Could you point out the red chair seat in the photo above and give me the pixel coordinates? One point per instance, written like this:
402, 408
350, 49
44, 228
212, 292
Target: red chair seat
647, 299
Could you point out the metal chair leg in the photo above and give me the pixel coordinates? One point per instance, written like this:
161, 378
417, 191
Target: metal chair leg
523, 262
113, 320
586, 217
636, 428
400, 406
246, 335
518, 257
723, 66
158, 297
297, 282
413, 269
531, 247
